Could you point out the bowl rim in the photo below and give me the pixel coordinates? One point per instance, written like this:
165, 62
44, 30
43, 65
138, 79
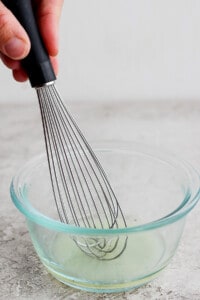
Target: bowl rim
181, 211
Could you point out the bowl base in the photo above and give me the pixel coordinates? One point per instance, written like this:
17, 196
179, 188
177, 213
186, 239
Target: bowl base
96, 287
135, 267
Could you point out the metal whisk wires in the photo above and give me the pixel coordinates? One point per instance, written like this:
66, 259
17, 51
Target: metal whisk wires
82, 192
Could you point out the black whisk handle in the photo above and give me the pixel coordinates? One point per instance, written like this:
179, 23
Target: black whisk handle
37, 64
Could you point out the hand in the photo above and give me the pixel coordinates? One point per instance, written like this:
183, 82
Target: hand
14, 42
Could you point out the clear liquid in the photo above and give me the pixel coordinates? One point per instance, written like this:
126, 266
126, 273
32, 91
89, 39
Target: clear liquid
141, 258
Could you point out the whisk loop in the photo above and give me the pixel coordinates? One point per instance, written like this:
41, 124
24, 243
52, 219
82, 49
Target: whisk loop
82, 192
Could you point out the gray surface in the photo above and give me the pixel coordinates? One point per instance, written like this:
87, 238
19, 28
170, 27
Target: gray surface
173, 125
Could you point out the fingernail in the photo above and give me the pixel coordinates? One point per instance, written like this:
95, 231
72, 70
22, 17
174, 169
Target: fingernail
15, 48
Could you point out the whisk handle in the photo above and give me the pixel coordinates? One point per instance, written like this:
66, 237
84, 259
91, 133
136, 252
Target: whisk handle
37, 64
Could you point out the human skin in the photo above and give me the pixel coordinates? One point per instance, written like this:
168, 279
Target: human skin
14, 41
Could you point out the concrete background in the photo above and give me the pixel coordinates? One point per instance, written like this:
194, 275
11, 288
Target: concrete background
174, 125
128, 70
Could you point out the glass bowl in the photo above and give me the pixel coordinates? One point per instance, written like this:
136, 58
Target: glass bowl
155, 190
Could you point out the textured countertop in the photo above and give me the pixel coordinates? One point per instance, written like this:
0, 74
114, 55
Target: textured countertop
172, 125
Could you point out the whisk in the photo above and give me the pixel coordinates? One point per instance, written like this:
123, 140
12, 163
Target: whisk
81, 190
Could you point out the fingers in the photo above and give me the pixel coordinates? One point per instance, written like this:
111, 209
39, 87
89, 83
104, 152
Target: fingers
15, 65
14, 41
54, 62
48, 12
19, 75
8, 62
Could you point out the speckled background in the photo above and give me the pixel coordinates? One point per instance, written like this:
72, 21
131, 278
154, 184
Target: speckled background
173, 125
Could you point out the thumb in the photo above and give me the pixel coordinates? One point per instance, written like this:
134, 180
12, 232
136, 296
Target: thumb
14, 41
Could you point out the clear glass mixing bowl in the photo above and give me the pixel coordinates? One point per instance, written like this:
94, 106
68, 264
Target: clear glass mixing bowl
155, 190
